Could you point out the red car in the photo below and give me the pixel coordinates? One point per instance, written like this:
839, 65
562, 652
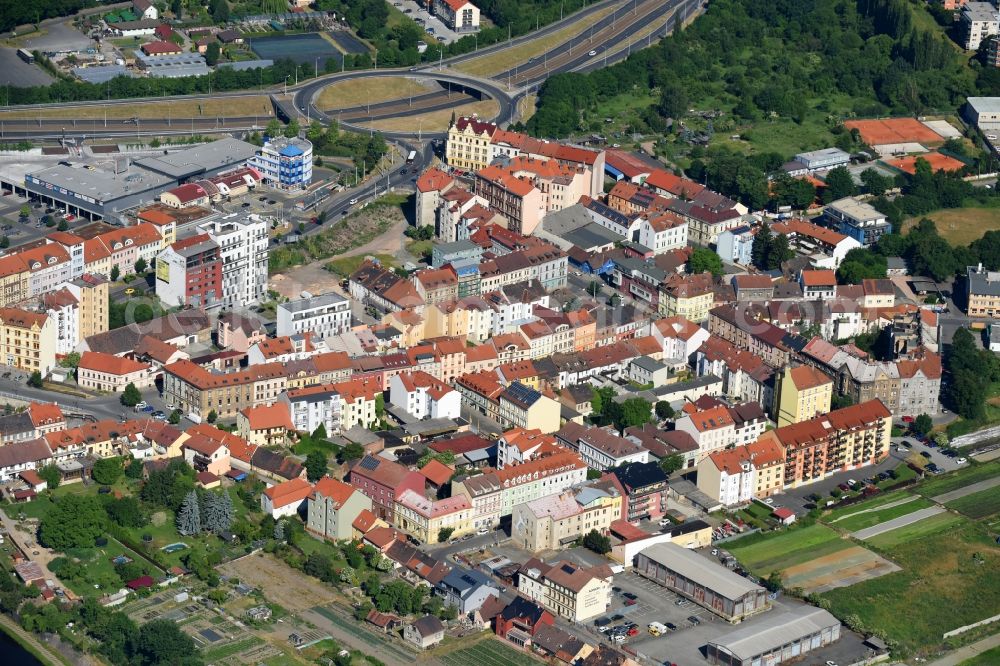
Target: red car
633, 632
630, 602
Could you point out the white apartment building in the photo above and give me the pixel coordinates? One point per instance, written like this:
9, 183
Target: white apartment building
712, 429
979, 21
64, 308
567, 589
663, 232
242, 240
423, 396
313, 406
323, 316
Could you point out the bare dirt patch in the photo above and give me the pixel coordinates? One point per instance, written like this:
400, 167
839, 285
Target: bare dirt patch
840, 569
356, 92
279, 582
222, 107
435, 121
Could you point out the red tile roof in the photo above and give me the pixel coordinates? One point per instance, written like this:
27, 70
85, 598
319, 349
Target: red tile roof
288, 492
110, 364
267, 417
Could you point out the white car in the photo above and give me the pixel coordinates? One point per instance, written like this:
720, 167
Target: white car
352, 202
962, 461
769, 501
592, 53
482, 530
902, 449
618, 638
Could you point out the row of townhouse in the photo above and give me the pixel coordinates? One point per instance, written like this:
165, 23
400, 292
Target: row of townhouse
909, 386
798, 454
745, 376
714, 425
744, 330
571, 591
197, 391
553, 521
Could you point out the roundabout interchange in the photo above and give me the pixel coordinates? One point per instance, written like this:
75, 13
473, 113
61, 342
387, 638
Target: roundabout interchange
630, 25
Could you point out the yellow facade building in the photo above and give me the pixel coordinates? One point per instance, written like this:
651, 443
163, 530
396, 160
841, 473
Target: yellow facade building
27, 340
804, 392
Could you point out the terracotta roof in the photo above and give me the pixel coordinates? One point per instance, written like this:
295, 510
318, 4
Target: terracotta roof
157, 217
365, 521
288, 492
22, 318
520, 187
712, 419
676, 185
819, 278
437, 472
267, 417
110, 364
155, 349
338, 491
433, 180
42, 413
807, 377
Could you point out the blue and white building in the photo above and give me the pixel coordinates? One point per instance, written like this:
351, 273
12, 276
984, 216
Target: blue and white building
857, 220
736, 245
285, 164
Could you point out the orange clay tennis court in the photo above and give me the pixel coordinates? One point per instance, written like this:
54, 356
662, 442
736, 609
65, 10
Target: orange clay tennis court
894, 130
937, 161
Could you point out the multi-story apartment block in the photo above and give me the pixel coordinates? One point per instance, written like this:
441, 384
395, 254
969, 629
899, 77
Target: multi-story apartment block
333, 507
189, 272
423, 396
803, 392
64, 308
27, 340
712, 429
514, 197
424, 518
983, 292
242, 242
736, 476
285, 164
468, 145
569, 590
601, 449
551, 522
384, 482
323, 316
844, 439
825, 246
980, 20
663, 231
91, 292
643, 487
858, 220
688, 296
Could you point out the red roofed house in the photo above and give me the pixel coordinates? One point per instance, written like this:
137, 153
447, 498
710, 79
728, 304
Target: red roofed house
161, 49
140, 583
365, 523
421, 396
285, 499
430, 186
266, 425
182, 196
437, 473
818, 284
206, 454
35, 482
516, 198
334, 507
109, 373
785, 515
712, 429
468, 145
163, 31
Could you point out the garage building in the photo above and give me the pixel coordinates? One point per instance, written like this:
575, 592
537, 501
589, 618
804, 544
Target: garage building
705, 582
775, 639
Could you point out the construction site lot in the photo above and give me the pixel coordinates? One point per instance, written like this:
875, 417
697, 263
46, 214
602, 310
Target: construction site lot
279, 583
814, 558
220, 631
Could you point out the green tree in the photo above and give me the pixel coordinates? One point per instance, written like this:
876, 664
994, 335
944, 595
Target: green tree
597, 542
861, 264
273, 128
4, 242
316, 466
664, 410
162, 642
70, 360
875, 183
292, 129
839, 184
673, 100
353, 451
35, 379
212, 53
672, 463
921, 425
631, 412
177, 7
62, 226
126, 511
175, 417
601, 399
761, 246
220, 11
25, 210
703, 260
51, 476
75, 521
319, 433
445, 533
115, 273
134, 469
131, 396
140, 266
779, 252
213, 416
107, 470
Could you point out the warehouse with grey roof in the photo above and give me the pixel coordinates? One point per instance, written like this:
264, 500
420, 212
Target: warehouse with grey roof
777, 638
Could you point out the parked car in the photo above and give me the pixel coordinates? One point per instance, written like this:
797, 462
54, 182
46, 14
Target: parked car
926, 454
616, 618
631, 602
962, 461
629, 595
693, 619
632, 632
843, 487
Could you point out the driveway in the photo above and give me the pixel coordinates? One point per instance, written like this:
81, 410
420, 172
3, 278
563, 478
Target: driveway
896, 523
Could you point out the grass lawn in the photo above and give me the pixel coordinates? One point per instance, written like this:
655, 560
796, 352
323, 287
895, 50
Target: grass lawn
347, 265
436, 121
308, 445
959, 479
978, 505
863, 520
356, 92
878, 500
961, 226
489, 652
915, 531
420, 248
501, 61
939, 588
988, 658
785, 549
248, 105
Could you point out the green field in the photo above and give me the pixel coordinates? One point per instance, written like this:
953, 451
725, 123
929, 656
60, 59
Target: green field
915, 531
863, 520
955, 480
978, 505
876, 501
941, 586
769, 552
488, 653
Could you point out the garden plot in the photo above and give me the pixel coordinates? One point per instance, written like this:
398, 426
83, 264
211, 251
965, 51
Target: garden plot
279, 582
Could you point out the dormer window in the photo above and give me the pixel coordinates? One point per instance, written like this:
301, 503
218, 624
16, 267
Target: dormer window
128, 241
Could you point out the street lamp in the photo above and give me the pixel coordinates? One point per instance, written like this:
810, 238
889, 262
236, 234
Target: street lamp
286, 83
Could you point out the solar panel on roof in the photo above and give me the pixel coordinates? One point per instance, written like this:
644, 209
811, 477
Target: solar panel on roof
369, 463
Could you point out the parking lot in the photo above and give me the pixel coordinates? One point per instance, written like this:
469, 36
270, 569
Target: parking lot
431, 23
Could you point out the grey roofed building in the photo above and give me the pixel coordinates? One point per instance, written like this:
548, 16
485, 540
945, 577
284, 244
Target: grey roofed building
16, 426
97, 190
774, 638
19, 456
101, 73
648, 364
591, 237
701, 570
117, 341
206, 159
303, 304
241, 65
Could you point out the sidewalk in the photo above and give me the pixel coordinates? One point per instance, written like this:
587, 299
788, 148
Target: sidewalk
956, 657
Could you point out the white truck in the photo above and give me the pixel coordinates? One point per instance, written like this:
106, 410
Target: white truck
657, 628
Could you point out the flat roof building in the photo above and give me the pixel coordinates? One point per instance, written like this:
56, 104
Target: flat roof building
775, 639
705, 582
858, 220
827, 158
324, 316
